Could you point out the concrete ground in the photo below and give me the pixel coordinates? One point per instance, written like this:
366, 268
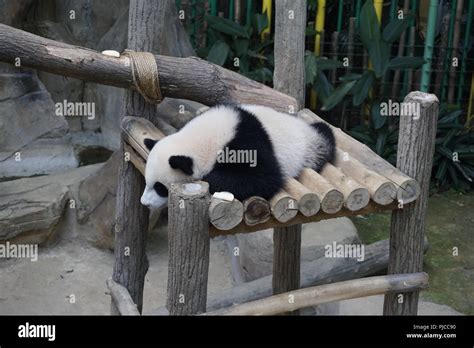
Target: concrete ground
74, 270
69, 279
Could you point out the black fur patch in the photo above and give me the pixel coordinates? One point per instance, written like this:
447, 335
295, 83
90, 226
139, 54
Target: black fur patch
244, 181
325, 131
149, 143
160, 189
184, 163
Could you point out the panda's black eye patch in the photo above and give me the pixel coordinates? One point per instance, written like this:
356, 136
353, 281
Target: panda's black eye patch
161, 189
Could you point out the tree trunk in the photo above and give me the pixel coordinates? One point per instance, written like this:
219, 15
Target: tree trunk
290, 25
416, 145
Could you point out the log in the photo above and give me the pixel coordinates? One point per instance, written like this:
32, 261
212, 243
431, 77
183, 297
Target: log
382, 190
187, 78
355, 196
122, 299
136, 130
131, 262
321, 294
308, 202
284, 207
288, 77
256, 211
416, 144
331, 198
225, 215
371, 208
321, 271
188, 245
408, 189
135, 158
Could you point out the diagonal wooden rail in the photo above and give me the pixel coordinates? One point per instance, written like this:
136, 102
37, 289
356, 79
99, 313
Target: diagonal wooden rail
187, 78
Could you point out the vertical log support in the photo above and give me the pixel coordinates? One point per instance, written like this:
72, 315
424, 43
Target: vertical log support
188, 245
290, 19
416, 145
131, 263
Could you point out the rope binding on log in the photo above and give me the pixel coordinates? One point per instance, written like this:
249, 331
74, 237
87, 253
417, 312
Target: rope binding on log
145, 75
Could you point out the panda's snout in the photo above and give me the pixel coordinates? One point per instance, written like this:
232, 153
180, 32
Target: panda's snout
151, 199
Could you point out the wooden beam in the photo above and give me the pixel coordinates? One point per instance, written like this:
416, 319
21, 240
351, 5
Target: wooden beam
356, 196
284, 207
382, 191
188, 245
256, 211
320, 271
288, 77
122, 299
416, 144
408, 189
331, 198
372, 207
187, 78
321, 294
225, 215
308, 202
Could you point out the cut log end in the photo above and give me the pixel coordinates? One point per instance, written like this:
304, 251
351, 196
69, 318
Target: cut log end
284, 207
408, 191
332, 202
385, 194
256, 211
357, 199
225, 215
309, 204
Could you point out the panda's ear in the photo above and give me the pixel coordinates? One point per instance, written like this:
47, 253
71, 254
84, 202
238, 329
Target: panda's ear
184, 163
149, 143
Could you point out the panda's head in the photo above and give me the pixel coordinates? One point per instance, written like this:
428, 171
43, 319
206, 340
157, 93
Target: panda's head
166, 164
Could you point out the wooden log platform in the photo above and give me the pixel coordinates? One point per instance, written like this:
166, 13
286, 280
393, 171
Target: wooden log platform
351, 185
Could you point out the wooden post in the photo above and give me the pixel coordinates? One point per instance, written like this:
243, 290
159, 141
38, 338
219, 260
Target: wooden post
131, 263
290, 25
188, 245
415, 157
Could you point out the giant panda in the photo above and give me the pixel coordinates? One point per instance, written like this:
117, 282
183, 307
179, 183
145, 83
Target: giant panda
281, 144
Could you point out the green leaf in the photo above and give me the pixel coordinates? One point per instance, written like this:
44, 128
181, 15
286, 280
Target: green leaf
378, 120
218, 53
453, 175
362, 87
461, 170
441, 170
395, 28
380, 143
350, 77
369, 24
322, 86
405, 63
450, 117
260, 22
445, 152
227, 26
310, 68
379, 54
240, 46
328, 64
338, 94
364, 137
